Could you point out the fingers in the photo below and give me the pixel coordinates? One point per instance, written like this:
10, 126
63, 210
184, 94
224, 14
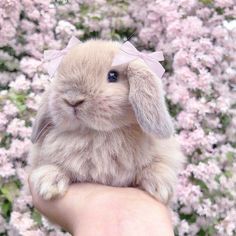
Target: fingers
59, 210
92, 209
65, 211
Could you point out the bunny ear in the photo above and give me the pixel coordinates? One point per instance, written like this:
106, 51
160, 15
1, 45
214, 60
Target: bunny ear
147, 99
43, 123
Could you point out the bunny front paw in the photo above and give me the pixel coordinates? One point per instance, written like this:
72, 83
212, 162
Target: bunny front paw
49, 181
159, 180
158, 189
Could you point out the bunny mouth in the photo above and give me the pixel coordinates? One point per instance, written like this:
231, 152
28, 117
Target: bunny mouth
75, 112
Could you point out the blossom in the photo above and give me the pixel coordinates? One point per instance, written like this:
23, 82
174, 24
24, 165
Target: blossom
29, 65
40, 82
10, 109
227, 226
33, 101
65, 27
5, 77
3, 121
20, 83
198, 42
224, 3
6, 167
187, 120
17, 128
2, 224
19, 148
184, 228
21, 222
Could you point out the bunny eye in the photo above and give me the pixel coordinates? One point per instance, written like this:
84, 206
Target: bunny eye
112, 76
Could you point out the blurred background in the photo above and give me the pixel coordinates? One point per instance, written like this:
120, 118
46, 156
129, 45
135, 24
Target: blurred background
198, 39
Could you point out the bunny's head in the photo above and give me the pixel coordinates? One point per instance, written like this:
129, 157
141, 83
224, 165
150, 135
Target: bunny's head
87, 92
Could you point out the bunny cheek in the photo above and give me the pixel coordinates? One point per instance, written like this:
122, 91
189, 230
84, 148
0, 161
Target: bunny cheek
104, 113
62, 115
108, 110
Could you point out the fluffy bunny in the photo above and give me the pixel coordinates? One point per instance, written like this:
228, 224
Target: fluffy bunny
90, 129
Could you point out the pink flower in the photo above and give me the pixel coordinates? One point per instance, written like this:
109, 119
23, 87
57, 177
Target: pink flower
3, 121
40, 82
17, 128
187, 120
20, 83
19, 149
21, 222
10, 109
185, 76
33, 101
29, 65
180, 59
2, 224
6, 167
184, 228
65, 27
224, 3
190, 26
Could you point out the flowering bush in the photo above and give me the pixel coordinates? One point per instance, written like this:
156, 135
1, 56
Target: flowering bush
198, 40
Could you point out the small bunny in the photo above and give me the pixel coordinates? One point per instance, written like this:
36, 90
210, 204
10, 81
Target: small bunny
104, 124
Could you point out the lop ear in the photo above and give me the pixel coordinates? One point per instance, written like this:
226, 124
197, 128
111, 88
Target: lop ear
43, 122
147, 99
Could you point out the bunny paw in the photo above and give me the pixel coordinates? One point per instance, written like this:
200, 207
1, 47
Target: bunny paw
158, 184
161, 191
49, 181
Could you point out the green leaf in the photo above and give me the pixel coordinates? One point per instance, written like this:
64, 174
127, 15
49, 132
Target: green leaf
206, 2
10, 191
217, 178
84, 9
18, 99
96, 18
3, 66
228, 174
200, 183
11, 65
79, 25
36, 216
211, 231
92, 34
191, 218
5, 141
11, 51
61, 2
225, 121
21, 39
230, 157
220, 10
122, 33
174, 109
6, 207
202, 233
3, 234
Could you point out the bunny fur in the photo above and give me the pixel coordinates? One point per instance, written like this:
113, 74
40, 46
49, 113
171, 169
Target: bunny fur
121, 135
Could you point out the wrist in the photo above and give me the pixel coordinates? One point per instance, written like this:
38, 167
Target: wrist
126, 212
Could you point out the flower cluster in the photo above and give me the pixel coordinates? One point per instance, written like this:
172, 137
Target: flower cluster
198, 40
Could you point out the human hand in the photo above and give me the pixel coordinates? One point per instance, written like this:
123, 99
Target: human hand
98, 210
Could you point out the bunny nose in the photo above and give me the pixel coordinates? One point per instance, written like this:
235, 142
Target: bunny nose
74, 103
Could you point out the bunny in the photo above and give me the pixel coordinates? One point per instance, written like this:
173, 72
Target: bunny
104, 124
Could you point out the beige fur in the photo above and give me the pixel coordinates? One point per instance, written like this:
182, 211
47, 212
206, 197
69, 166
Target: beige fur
121, 135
